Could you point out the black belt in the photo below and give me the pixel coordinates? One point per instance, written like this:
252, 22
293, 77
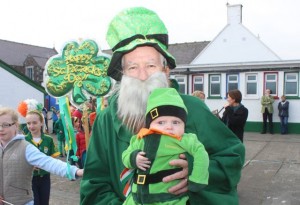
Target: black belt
41, 175
144, 179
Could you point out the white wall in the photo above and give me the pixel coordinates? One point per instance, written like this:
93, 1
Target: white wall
14, 90
253, 103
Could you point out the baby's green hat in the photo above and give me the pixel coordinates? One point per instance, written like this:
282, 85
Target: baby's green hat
165, 102
132, 28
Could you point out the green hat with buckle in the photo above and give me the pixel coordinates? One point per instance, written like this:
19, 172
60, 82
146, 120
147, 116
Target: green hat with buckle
132, 28
165, 102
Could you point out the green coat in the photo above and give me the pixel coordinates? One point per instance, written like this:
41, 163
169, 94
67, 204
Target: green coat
59, 130
101, 184
267, 102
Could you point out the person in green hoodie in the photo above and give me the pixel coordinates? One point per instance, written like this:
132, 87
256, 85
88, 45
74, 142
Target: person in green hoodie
141, 63
153, 147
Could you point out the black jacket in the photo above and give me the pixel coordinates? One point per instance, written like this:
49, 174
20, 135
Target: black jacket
283, 109
236, 120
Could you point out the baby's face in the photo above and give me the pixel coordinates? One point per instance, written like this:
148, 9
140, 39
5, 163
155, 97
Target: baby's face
169, 124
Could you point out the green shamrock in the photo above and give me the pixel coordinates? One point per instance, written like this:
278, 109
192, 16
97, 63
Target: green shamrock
78, 70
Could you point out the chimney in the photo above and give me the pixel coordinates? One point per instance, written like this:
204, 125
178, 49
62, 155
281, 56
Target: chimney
234, 14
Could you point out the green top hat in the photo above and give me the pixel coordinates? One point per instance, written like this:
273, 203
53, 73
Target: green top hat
132, 28
165, 102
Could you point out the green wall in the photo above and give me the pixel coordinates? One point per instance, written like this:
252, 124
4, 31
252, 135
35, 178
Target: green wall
293, 128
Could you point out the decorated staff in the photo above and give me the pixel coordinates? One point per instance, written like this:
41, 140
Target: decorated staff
79, 73
217, 112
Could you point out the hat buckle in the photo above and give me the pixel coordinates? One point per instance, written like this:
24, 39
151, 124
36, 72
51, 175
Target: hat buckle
154, 113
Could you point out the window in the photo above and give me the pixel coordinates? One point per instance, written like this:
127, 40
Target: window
251, 84
40, 76
232, 82
291, 84
29, 72
181, 83
198, 83
215, 85
271, 83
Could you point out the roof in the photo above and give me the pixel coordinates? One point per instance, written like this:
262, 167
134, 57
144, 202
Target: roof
14, 53
184, 53
22, 77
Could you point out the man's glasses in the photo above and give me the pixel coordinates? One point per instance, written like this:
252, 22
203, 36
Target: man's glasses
6, 125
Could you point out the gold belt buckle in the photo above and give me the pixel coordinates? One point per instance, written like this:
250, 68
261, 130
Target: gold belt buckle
141, 179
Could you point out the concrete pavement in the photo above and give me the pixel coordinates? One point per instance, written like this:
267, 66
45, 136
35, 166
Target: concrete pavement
63, 191
271, 175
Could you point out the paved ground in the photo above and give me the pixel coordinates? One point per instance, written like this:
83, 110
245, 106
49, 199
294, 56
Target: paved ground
63, 191
271, 175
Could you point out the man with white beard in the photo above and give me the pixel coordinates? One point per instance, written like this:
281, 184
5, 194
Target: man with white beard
140, 60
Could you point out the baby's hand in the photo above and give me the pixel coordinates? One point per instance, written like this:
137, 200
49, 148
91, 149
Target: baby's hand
142, 162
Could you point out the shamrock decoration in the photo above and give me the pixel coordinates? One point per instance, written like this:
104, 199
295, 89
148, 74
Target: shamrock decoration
79, 70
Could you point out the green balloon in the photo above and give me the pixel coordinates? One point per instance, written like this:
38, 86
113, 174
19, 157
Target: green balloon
79, 70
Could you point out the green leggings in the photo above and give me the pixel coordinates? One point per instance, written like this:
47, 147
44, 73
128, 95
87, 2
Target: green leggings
61, 146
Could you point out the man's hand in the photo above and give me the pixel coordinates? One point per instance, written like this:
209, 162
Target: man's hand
182, 186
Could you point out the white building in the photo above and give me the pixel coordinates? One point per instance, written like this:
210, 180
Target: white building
15, 87
237, 59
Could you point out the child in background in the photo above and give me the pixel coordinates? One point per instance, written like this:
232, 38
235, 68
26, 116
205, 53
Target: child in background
54, 117
80, 137
41, 182
153, 147
283, 113
60, 133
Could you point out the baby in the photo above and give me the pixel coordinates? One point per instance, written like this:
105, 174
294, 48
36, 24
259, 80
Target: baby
163, 140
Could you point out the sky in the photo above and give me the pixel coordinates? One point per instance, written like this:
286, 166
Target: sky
53, 23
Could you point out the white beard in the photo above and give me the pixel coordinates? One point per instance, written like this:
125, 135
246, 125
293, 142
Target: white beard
133, 96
